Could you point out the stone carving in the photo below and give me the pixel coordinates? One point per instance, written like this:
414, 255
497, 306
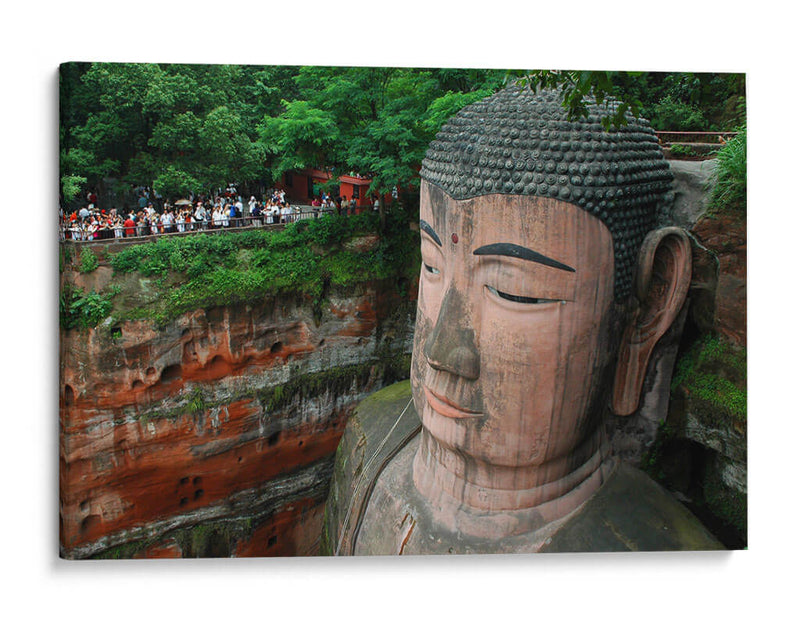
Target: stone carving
544, 288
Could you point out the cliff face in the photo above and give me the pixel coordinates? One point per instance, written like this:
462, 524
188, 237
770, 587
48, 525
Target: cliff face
701, 447
215, 435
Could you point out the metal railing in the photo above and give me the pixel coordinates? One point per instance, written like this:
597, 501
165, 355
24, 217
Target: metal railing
83, 232
666, 137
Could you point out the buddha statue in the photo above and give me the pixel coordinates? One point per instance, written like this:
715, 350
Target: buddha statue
547, 279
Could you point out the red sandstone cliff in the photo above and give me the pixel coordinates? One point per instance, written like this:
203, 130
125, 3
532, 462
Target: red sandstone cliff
215, 435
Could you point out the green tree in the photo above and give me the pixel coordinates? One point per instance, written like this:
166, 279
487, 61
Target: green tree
180, 128
374, 121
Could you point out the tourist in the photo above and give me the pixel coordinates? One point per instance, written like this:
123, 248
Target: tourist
200, 215
233, 210
130, 226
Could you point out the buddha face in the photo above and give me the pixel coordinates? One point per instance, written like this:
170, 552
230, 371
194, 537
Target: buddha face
512, 344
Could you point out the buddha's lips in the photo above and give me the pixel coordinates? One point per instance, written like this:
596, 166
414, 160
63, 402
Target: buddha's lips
446, 408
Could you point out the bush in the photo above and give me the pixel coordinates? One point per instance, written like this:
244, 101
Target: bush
671, 114
89, 261
82, 310
729, 190
681, 150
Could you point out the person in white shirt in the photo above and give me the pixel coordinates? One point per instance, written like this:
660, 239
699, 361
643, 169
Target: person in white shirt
200, 213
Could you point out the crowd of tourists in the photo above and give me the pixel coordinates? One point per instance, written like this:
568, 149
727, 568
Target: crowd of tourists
226, 210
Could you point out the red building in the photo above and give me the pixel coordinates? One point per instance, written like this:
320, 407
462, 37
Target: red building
304, 185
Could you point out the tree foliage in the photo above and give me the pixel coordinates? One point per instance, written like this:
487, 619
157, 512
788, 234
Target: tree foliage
194, 128
179, 128
370, 120
671, 101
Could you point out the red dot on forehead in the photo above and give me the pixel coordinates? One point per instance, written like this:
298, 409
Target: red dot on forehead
454, 237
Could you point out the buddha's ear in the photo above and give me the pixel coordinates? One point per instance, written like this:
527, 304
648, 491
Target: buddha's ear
663, 274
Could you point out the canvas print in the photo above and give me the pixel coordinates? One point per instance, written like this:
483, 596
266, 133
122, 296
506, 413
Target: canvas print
350, 311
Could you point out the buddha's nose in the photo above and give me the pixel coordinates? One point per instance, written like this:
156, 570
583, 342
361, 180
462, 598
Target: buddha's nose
451, 344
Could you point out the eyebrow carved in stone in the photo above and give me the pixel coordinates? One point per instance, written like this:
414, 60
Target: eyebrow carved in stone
426, 227
523, 253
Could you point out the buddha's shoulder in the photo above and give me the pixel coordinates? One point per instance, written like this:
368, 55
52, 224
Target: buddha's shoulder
380, 426
631, 512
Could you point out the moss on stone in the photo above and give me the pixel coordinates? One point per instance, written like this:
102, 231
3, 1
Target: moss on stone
338, 380
713, 376
127, 550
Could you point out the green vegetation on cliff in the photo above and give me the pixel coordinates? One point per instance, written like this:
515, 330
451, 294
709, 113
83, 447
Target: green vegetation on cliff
704, 437
729, 191
78, 309
713, 374
174, 275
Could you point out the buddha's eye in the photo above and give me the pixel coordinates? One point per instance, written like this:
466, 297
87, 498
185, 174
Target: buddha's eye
520, 299
430, 269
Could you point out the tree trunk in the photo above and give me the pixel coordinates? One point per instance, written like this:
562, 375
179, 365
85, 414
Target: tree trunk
382, 212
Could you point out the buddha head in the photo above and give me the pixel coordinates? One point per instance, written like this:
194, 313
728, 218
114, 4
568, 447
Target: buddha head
545, 280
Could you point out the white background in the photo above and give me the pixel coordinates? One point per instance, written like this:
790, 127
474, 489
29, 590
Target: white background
758, 585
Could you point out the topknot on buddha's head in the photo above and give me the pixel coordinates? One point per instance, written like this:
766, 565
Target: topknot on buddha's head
521, 142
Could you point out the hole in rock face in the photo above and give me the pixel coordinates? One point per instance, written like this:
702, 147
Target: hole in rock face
84, 506
172, 372
69, 395
89, 523
183, 501
116, 333
218, 367
150, 371
271, 541
184, 480
137, 384
276, 347
300, 444
322, 342
273, 438
198, 493
197, 480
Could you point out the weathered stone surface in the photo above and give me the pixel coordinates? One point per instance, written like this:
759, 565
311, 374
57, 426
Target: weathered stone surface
215, 435
690, 184
726, 236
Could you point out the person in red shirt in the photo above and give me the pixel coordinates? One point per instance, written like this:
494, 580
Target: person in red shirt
130, 227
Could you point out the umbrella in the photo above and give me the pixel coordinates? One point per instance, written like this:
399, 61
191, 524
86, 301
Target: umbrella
183, 203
